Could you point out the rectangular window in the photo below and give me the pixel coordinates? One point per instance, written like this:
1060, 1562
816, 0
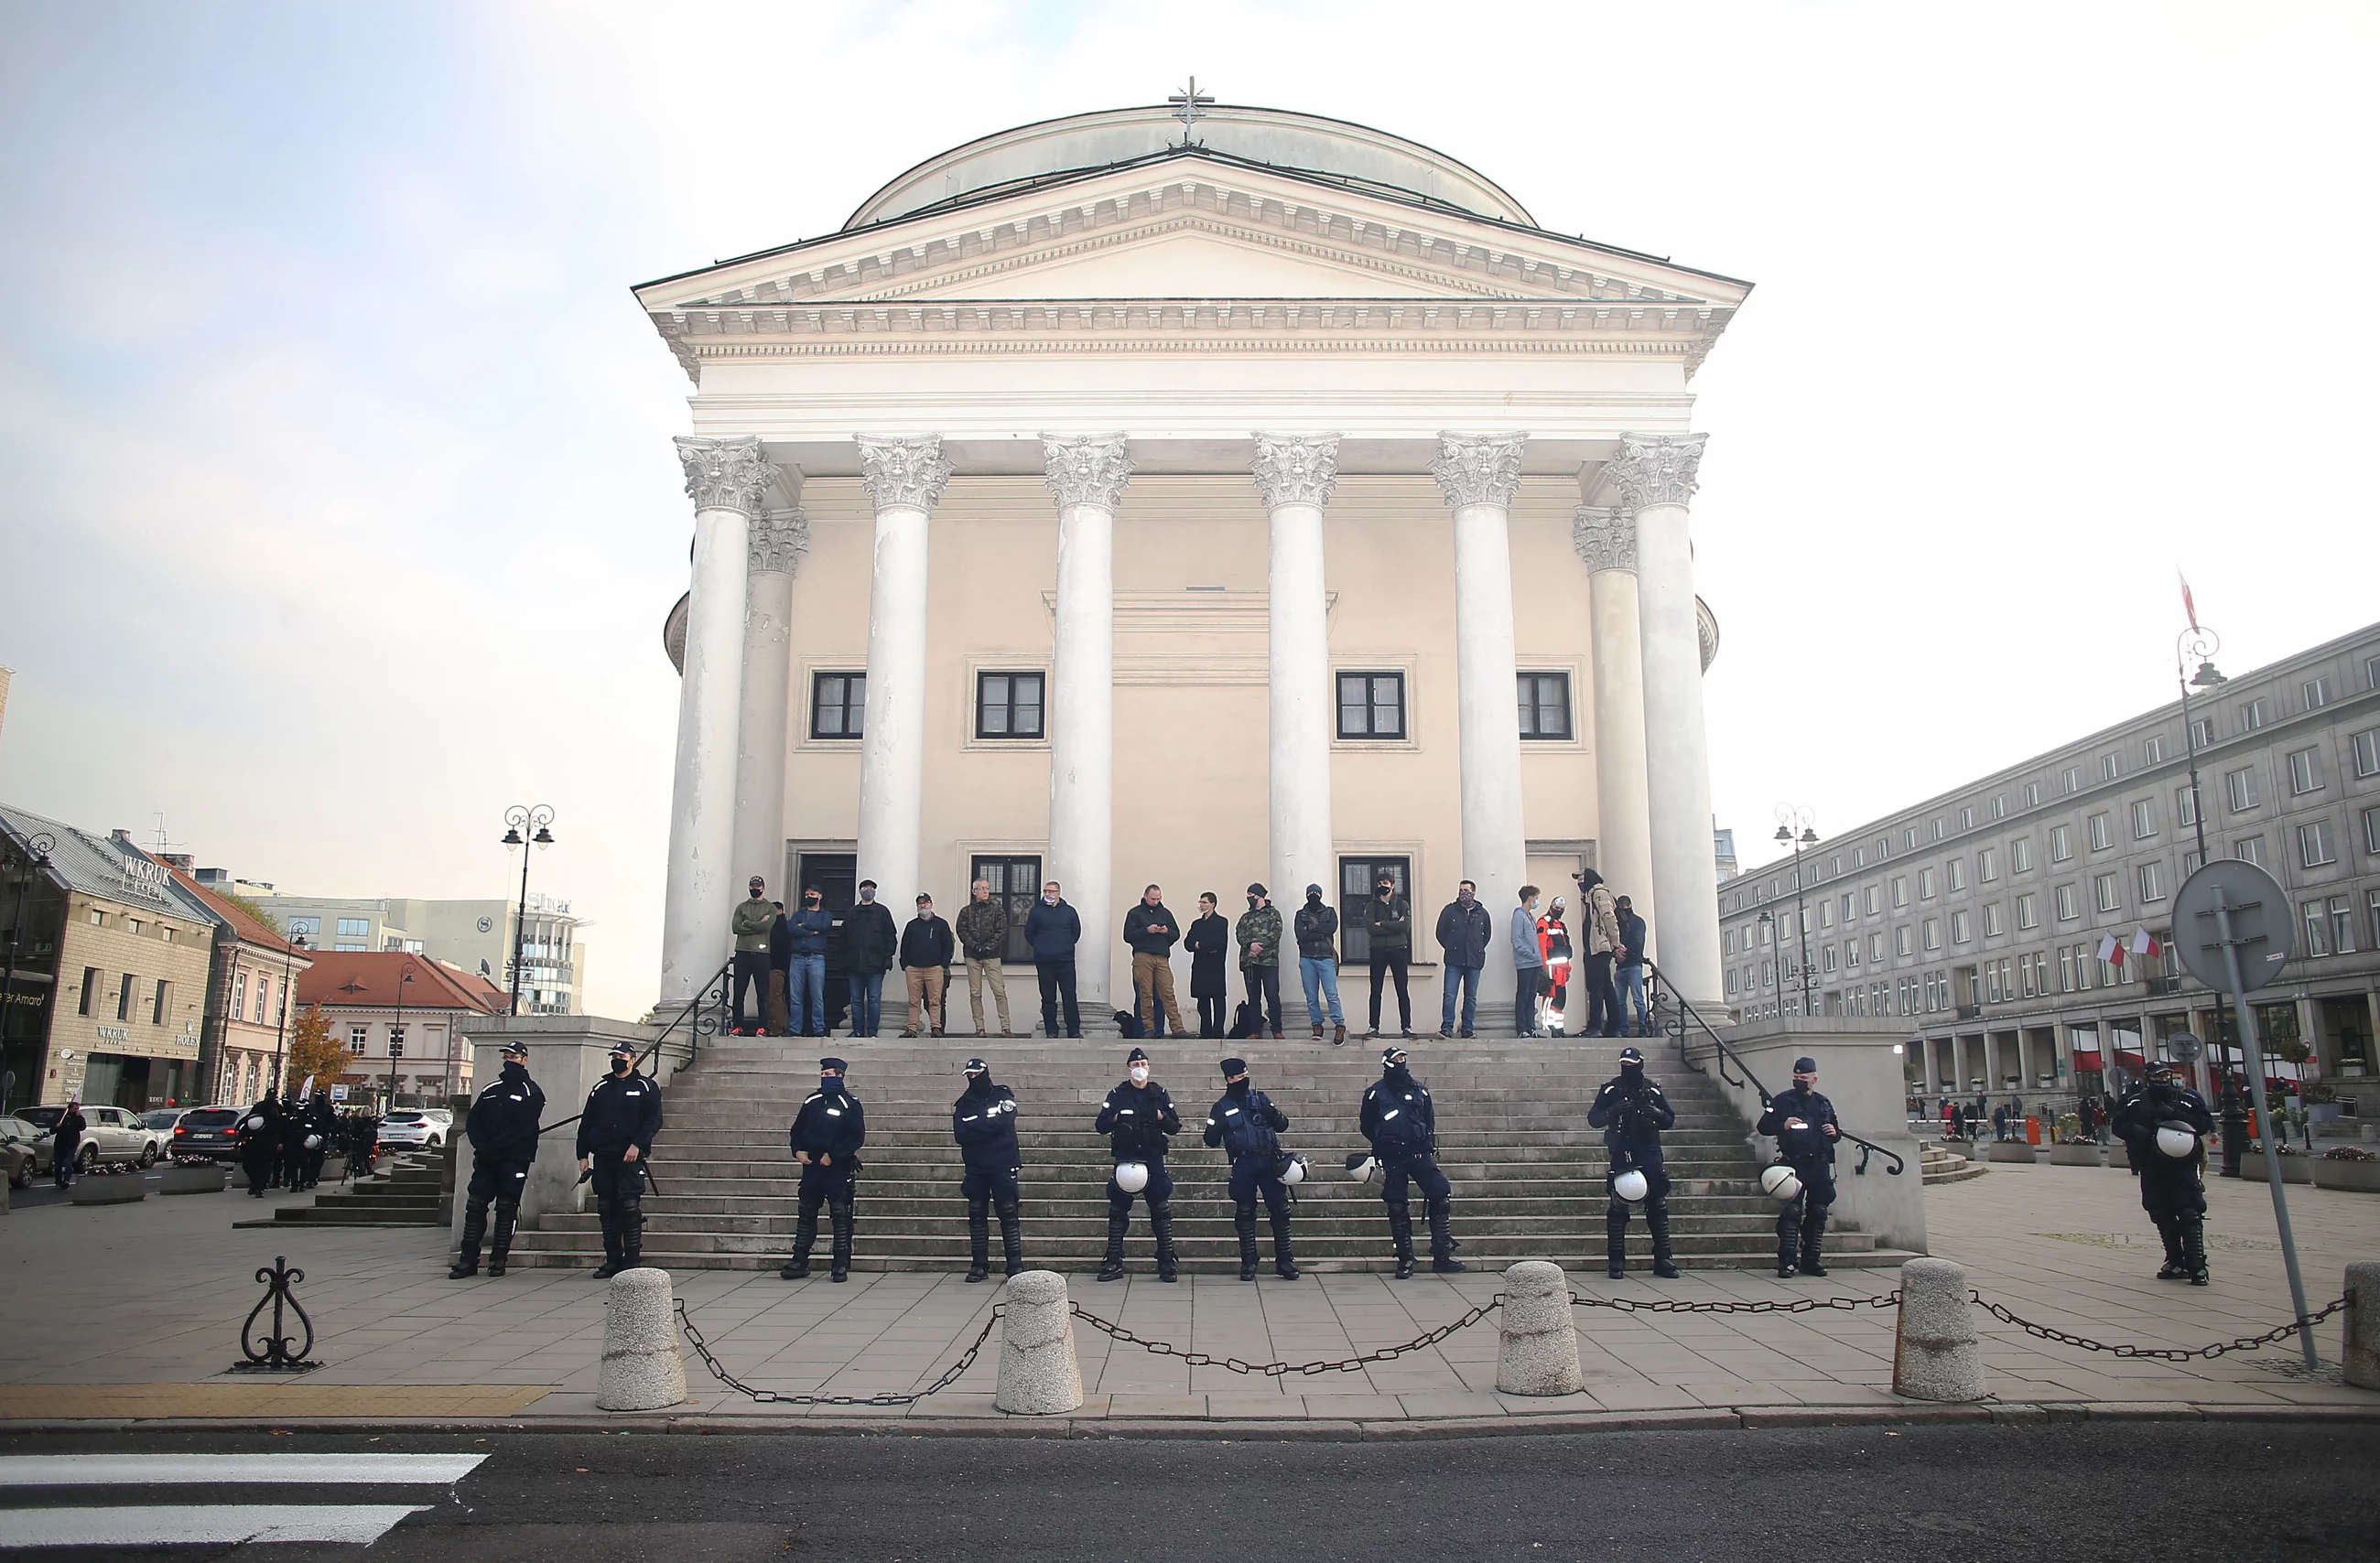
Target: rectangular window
1967, 818
1960, 929
2315, 692
1900, 939
357, 1038
2102, 836
2314, 845
2028, 911
2062, 842
1545, 704
1941, 828
2073, 778
1008, 705
2342, 925
838, 705
2144, 818
2367, 753
2240, 786
1826, 903
1357, 879
2066, 970
239, 996
2191, 862
264, 997
2201, 732
1828, 959
1868, 899
1847, 908
2033, 795
1925, 884
124, 998
2153, 750
2069, 908
2317, 927
1731, 982
2372, 910
2152, 882
1988, 868
1992, 928
90, 991
157, 1009
2020, 856
2303, 778
2110, 766
2372, 831
354, 927
1933, 931
2104, 893
309, 928
1015, 883
2252, 716
2250, 849
98, 918
1909, 839
1371, 704
2185, 805
1899, 889
2371, 673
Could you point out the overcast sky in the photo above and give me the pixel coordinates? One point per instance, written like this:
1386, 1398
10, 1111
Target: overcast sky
337, 509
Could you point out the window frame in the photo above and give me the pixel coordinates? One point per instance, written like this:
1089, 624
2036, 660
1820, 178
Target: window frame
1040, 706
982, 865
1536, 678
845, 707
2313, 836
2305, 772
1355, 939
1370, 705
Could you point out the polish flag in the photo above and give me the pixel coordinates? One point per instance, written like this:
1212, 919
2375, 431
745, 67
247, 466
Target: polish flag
2144, 944
2111, 950
2188, 607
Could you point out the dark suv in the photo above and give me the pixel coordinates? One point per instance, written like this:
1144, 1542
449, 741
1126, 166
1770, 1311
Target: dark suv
211, 1132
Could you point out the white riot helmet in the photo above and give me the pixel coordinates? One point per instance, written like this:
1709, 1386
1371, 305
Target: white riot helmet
1132, 1176
1780, 1183
2177, 1140
1295, 1172
257, 1123
313, 1141
1631, 1185
1362, 1168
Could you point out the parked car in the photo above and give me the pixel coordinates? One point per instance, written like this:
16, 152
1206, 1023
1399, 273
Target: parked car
110, 1133
26, 1151
415, 1128
211, 1132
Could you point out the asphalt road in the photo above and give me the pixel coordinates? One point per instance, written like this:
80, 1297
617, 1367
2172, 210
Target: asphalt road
2165, 1493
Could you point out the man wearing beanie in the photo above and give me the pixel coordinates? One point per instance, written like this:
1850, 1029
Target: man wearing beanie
984, 1123
1246, 1125
1804, 1122
1259, 934
1316, 928
826, 1138
1137, 1118
1402, 1124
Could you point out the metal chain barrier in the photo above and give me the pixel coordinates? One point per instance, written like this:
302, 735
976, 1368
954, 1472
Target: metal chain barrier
1767, 1305
1282, 1370
2161, 1353
773, 1397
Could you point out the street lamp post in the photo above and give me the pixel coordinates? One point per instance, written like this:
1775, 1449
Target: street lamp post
524, 827
397, 1033
289, 948
38, 848
1793, 819
2199, 644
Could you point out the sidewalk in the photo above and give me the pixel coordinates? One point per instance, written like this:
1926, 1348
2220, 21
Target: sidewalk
145, 1301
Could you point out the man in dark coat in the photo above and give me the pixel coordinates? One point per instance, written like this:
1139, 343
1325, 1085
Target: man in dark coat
870, 941
1051, 930
320, 1129
1803, 1125
826, 1139
501, 1126
260, 1142
1631, 1113
1246, 1124
615, 1135
2171, 1189
1401, 1123
1137, 1118
66, 1144
983, 1122
927, 951
1149, 929
1209, 944
1463, 929
1388, 927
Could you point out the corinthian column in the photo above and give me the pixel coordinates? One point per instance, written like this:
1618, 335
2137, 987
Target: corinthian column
779, 539
1088, 475
1296, 474
729, 483
903, 477
1479, 474
1605, 541
1655, 477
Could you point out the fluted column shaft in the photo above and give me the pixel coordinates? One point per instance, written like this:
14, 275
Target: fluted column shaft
1656, 476
1296, 474
729, 481
1088, 475
1623, 831
779, 538
903, 477
1480, 473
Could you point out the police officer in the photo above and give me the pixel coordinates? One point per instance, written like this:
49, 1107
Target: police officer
2128, 1101
615, 1135
984, 1123
1246, 1125
288, 1169
260, 1142
502, 1129
826, 1137
2171, 1190
1803, 1123
1136, 1118
321, 1126
1631, 1113
1401, 1123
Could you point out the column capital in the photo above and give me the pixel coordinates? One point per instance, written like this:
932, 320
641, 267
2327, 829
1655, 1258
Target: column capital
1296, 468
1656, 468
909, 471
729, 473
1606, 539
1087, 469
1478, 469
780, 538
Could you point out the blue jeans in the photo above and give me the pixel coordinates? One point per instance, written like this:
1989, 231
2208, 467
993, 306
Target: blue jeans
1635, 1016
1466, 978
806, 996
867, 1001
1320, 977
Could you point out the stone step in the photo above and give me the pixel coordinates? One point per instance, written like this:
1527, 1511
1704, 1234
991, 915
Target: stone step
1585, 1263
1191, 1239
1716, 1197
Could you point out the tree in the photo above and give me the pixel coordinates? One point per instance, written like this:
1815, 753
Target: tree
253, 910
313, 1050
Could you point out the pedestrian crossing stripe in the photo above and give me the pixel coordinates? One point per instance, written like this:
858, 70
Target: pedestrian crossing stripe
160, 1469
57, 1528
221, 1524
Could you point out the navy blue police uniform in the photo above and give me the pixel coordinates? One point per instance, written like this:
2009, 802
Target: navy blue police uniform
260, 1142
1137, 1118
502, 1127
1809, 1150
2171, 1191
1399, 1123
1631, 1113
983, 1122
623, 1110
831, 1128
1246, 1124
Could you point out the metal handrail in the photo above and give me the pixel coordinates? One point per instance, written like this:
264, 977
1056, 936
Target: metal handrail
1725, 1055
706, 1016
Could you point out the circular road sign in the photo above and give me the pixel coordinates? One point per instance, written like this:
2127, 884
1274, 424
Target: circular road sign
2261, 923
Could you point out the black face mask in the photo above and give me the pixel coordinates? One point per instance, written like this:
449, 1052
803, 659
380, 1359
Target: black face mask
1633, 1073
1315, 899
811, 904
1386, 890
978, 1086
1252, 903
1237, 1087
1396, 1070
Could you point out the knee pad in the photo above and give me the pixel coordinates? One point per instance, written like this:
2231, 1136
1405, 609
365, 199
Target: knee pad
1439, 1207
1398, 1208
1617, 1209
978, 1205
1245, 1207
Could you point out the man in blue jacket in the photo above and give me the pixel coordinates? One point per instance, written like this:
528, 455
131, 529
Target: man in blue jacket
1051, 930
807, 932
1463, 930
983, 1122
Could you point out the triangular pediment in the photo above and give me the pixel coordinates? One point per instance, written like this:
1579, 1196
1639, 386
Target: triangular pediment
1191, 258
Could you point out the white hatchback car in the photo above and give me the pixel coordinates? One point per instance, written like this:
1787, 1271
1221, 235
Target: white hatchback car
422, 1128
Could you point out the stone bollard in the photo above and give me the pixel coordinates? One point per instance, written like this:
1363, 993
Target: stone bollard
1536, 1349
2359, 1354
1038, 1374
1935, 1354
642, 1370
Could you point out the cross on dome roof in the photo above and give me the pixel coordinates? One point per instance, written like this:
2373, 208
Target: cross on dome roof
1187, 102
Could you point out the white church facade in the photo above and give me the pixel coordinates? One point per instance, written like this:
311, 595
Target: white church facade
1252, 497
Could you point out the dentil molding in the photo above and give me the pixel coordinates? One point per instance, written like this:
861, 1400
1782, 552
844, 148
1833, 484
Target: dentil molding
1296, 468
1606, 539
1478, 469
1656, 468
1087, 469
780, 538
896, 471
729, 473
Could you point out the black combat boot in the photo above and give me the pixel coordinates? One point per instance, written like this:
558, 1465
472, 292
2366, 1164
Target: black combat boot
1615, 1240
1161, 1222
1111, 1263
2177, 1263
1011, 1238
1814, 1234
2193, 1248
840, 1216
501, 1243
608, 1212
475, 1227
1442, 1241
1789, 1241
1284, 1262
804, 1239
1243, 1221
632, 1233
1656, 1216
1401, 1237
978, 1240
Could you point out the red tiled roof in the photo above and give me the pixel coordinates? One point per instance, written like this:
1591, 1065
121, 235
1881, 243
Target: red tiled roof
247, 926
376, 973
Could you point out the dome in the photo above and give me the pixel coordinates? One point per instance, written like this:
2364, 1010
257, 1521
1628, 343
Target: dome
1308, 144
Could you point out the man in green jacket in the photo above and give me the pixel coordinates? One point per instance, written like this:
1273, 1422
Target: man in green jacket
1259, 935
1388, 920
755, 916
